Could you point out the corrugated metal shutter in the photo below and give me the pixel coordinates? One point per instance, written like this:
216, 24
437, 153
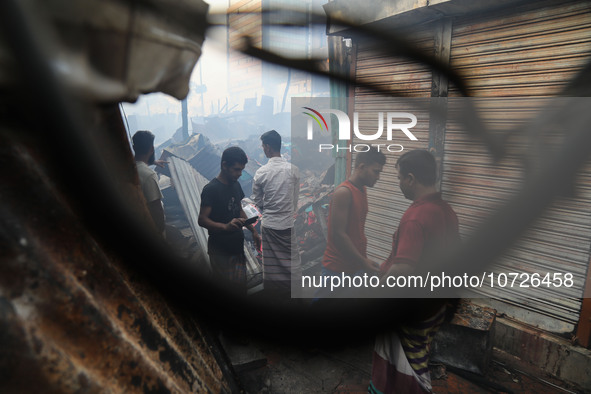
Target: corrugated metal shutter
516, 54
386, 202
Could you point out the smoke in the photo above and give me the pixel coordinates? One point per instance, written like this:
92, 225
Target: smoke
226, 84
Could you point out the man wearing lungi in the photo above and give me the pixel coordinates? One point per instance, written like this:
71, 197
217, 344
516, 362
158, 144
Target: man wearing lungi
347, 245
222, 215
275, 191
400, 359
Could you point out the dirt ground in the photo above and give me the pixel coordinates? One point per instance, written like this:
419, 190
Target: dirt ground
282, 369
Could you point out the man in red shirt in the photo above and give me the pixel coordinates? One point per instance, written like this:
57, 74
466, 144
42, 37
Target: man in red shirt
400, 361
347, 245
428, 222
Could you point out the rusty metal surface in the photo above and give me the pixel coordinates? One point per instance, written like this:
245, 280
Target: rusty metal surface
72, 317
466, 341
474, 316
524, 51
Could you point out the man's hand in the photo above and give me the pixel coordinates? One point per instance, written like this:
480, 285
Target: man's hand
372, 266
160, 163
258, 241
398, 269
235, 224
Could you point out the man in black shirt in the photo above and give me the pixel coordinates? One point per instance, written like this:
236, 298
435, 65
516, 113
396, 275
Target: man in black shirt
222, 215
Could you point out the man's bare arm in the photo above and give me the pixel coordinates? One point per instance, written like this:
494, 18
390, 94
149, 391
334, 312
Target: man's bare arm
255, 235
339, 219
401, 268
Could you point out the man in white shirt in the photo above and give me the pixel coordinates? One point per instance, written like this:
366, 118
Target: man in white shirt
275, 191
143, 146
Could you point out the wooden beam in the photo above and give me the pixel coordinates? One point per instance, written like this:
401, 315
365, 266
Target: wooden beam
439, 90
351, 101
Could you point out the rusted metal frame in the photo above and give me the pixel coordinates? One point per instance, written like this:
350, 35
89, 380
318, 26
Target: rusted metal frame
439, 90
221, 356
442, 46
584, 326
339, 88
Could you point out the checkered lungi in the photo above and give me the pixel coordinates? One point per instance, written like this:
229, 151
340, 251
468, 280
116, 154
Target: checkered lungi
279, 260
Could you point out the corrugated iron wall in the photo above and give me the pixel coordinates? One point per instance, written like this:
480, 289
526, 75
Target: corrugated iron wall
520, 53
531, 50
386, 202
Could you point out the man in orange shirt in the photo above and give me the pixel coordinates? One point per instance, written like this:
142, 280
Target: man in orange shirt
347, 245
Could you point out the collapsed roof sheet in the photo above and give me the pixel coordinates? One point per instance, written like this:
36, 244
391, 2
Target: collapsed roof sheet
207, 161
188, 184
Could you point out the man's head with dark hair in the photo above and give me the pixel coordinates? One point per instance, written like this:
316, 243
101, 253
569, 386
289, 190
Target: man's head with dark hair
370, 157
233, 155
421, 163
143, 146
233, 162
368, 166
273, 140
416, 168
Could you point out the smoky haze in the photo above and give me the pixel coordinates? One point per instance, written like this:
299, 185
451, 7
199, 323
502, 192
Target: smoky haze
234, 97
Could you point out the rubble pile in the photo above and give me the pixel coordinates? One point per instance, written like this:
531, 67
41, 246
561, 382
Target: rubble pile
312, 216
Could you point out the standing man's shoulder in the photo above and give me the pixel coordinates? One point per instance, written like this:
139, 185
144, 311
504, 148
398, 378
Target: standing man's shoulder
208, 191
148, 182
262, 168
294, 169
210, 185
261, 171
342, 195
447, 205
143, 170
450, 211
